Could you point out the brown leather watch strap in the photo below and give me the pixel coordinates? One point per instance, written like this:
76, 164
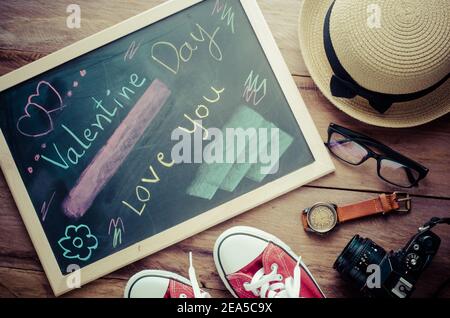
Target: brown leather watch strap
385, 203
305, 221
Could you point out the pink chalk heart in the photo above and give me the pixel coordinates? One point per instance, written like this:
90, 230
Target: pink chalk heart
36, 122
75, 84
47, 97
83, 73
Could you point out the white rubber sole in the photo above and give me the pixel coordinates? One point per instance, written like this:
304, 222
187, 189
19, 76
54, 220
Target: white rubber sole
157, 273
258, 233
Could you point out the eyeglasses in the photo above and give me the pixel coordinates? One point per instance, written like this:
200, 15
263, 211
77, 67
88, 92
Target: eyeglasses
355, 149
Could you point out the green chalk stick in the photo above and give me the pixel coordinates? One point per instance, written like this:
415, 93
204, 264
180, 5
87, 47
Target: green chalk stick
202, 190
285, 142
210, 176
235, 176
239, 170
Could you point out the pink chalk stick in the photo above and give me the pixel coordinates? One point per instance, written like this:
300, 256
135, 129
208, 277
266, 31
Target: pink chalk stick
109, 159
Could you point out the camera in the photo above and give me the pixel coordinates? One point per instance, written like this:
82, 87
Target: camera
377, 273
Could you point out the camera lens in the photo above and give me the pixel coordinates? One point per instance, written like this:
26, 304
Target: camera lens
356, 257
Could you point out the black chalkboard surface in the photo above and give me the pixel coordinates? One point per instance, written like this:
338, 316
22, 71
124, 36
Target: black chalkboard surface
93, 138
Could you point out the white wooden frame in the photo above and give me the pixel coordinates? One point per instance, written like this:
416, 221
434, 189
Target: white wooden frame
319, 168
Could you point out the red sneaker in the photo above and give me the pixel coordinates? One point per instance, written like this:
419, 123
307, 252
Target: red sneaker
162, 284
254, 264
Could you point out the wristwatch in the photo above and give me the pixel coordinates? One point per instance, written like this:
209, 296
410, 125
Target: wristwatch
323, 217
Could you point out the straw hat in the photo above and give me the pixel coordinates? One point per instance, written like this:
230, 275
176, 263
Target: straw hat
384, 62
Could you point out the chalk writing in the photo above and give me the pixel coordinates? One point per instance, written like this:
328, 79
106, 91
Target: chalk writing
202, 112
142, 193
78, 242
46, 206
161, 159
132, 50
119, 228
170, 57
84, 140
254, 89
227, 13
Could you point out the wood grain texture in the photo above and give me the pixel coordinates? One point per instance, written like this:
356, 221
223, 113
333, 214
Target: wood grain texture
40, 26
32, 29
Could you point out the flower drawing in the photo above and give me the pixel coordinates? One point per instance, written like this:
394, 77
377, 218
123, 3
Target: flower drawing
78, 242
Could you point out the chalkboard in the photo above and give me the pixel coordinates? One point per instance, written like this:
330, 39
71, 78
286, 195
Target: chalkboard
89, 135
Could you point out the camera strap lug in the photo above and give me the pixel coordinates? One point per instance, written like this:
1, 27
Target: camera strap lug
433, 222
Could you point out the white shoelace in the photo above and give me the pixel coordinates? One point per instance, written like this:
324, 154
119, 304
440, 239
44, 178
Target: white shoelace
272, 286
198, 293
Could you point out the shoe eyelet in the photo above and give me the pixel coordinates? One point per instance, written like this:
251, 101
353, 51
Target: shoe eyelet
280, 277
274, 266
183, 296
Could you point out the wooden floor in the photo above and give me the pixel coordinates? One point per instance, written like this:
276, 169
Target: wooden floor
32, 29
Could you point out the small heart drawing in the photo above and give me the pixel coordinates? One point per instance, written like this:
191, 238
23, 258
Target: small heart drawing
47, 96
36, 122
83, 73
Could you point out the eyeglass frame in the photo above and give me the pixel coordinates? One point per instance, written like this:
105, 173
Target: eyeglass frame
389, 153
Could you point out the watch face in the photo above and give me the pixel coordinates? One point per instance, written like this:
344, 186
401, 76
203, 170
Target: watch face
322, 217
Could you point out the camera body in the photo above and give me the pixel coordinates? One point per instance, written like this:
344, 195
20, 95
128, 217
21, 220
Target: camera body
377, 273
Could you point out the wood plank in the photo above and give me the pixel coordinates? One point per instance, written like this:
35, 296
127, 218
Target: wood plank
20, 33
14, 59
279, 217
283, 22
427, 144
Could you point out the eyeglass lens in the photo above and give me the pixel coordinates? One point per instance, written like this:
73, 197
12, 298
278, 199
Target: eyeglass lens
397, 173
354, 153
346, 149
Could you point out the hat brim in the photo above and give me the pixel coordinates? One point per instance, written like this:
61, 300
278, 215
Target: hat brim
400, 115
